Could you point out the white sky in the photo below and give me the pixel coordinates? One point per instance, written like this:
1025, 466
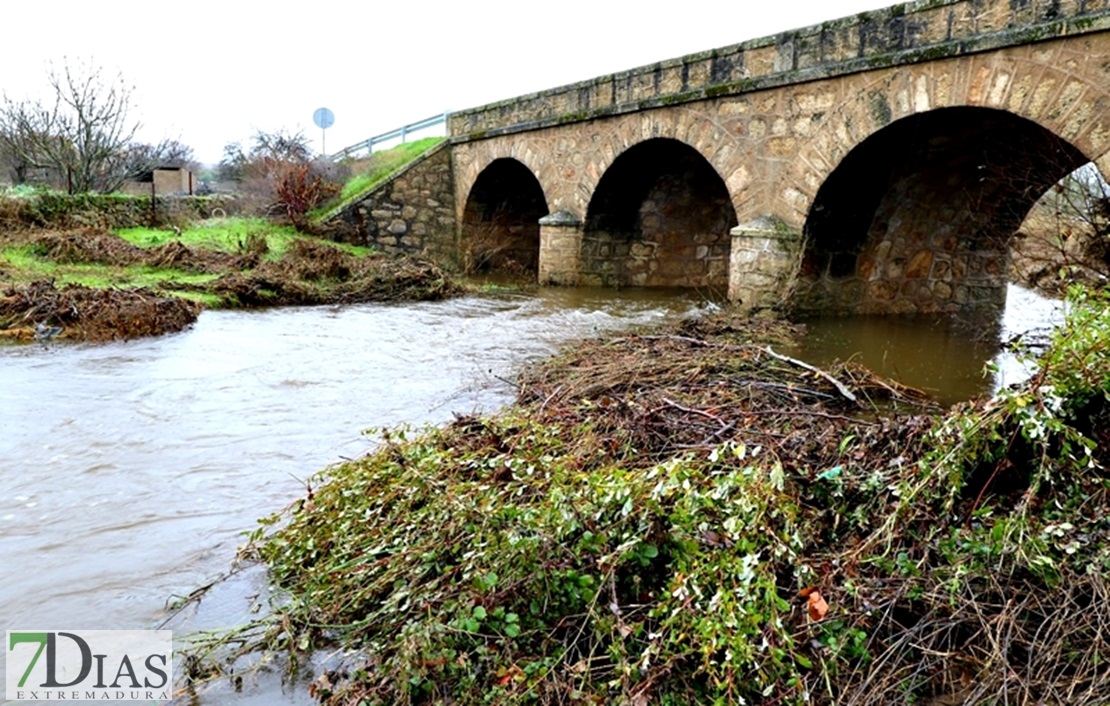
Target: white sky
243, 66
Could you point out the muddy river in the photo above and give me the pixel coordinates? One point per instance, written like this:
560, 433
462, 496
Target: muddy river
129, 471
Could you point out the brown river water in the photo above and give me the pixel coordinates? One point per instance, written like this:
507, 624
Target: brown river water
129, 471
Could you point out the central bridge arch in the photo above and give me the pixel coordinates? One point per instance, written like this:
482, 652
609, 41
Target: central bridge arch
659, 217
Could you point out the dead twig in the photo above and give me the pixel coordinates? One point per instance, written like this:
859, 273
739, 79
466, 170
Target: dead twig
840, 387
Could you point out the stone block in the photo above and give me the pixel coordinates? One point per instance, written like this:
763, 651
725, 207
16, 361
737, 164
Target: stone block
919, 265
882, 291
782, 146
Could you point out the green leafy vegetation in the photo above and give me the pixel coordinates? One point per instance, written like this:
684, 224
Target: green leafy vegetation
681, 517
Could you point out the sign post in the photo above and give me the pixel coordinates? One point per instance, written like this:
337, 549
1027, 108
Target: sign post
324, 118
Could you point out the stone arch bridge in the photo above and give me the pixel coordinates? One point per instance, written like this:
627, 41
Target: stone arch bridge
874, 164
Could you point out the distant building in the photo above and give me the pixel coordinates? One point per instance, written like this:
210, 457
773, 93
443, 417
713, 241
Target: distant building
163, 181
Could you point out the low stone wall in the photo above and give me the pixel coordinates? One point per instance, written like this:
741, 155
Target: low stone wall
109, 211
413, 212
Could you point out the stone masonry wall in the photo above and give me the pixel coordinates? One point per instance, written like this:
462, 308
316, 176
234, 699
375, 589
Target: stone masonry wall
413, 212
681, 240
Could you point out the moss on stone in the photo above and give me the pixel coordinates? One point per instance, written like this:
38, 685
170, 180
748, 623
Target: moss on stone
575, 117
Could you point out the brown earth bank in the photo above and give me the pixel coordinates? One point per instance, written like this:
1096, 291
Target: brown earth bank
1051, 251
309, 272
41, 311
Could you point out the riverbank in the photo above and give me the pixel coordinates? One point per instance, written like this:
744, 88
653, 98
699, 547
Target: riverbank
691, 516
95, 285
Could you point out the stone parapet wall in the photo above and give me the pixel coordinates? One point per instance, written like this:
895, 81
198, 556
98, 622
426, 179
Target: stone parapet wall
111, 211
412, 213
910, 33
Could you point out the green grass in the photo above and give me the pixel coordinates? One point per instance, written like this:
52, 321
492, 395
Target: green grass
224, 234
228, 235
375, 170
209, 301
31, 266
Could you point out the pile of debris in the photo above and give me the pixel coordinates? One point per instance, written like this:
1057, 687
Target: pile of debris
40, 311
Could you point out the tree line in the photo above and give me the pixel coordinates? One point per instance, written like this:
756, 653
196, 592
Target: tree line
83, 137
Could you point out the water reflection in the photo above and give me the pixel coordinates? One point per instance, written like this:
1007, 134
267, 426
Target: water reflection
946, 357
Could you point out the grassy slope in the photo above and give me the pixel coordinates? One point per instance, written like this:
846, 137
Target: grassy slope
374, 170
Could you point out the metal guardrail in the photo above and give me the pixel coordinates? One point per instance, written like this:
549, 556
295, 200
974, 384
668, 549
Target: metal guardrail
402, 132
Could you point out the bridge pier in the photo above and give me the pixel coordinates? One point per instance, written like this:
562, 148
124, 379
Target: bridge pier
763, 264
561, 248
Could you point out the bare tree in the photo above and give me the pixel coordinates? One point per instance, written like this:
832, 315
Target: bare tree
280, 146
1066, 235
140, 157
23, 128
233, 165
278, 174
83, 136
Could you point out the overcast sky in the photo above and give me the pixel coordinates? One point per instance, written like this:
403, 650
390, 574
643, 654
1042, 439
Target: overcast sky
209, 72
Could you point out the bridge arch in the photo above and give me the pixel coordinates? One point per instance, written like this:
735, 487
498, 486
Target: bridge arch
1057, 85
918, 216
500, 222
660, 215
